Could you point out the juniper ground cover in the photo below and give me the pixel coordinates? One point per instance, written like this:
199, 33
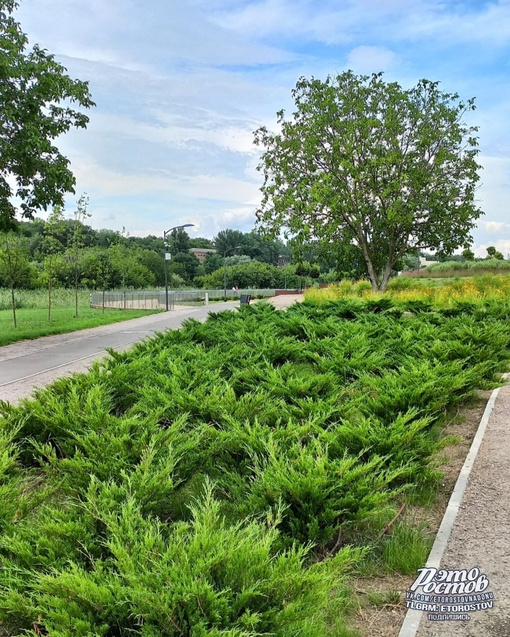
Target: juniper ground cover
226, 478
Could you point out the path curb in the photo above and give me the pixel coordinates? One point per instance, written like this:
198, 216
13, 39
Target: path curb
413, 617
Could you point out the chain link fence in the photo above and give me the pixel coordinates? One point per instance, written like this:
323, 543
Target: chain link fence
156, 299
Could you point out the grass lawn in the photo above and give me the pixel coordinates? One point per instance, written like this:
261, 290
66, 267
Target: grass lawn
33, 322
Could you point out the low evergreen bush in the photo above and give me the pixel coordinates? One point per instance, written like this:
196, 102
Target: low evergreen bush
209, 481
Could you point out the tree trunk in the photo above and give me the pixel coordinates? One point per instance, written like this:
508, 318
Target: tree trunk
372, 274
13, 306
379, 284
386, 277
374, 282
49, 299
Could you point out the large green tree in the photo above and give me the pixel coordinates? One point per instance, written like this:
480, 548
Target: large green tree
262, 248
229, 241
37, 104
368, 163
184, 264
178, 241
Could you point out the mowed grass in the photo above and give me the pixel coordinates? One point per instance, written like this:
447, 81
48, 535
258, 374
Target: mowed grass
32, 315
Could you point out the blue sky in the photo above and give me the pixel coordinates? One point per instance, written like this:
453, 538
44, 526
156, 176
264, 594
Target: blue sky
181, 86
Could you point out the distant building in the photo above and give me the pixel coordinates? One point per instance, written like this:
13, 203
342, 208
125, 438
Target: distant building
201, 253
425, 262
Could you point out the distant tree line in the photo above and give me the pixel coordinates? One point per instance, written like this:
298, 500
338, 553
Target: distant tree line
67, 252
466, 255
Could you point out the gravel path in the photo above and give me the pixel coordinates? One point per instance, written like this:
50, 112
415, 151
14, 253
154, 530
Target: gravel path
480, 536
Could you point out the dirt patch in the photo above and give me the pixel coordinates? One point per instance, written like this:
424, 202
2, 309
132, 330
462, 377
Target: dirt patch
380, 611
380, 601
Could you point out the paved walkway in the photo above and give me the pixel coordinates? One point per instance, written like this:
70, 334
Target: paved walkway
29, 365
474, 537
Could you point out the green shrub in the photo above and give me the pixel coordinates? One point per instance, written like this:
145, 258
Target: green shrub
144, 577
310, 423
399, 283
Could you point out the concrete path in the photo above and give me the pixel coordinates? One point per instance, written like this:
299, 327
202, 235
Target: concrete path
474, 540
29, 365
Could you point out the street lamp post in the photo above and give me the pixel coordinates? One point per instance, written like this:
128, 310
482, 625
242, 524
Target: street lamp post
168, 256
225, 270
282, 264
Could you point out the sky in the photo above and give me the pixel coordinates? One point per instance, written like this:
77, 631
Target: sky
180, 86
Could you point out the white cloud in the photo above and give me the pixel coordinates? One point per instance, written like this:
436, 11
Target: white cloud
326, 22
495, 226
207, 224
106, 183
502, 245
488, 24
181, 86
155, 32
371, 59
238, 218
175, 131
494, 190
333, 23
